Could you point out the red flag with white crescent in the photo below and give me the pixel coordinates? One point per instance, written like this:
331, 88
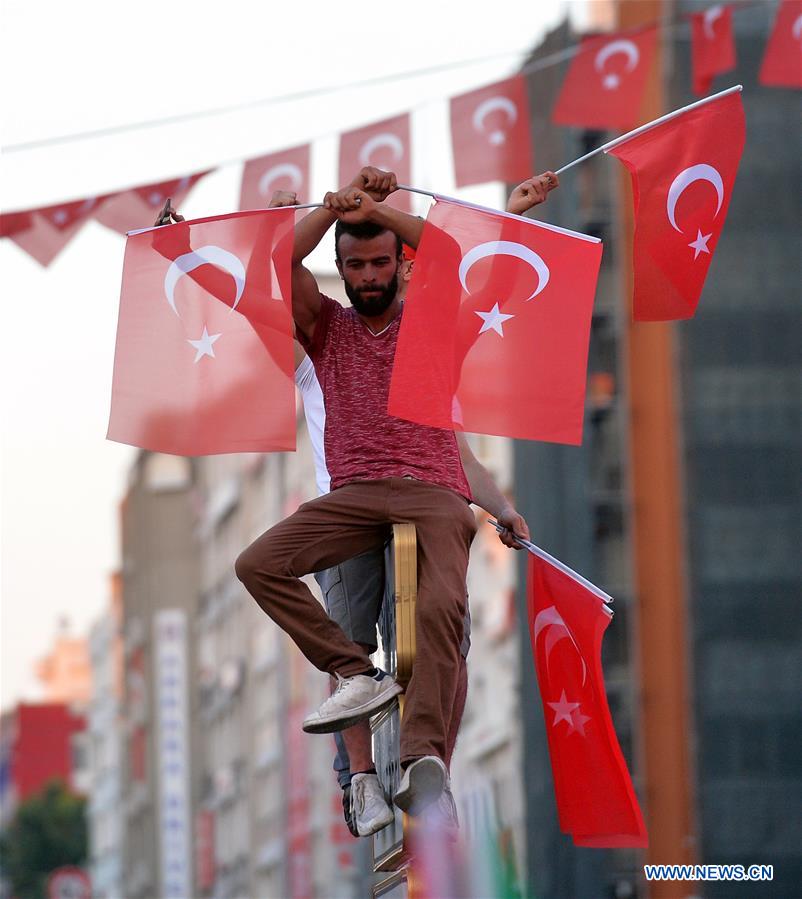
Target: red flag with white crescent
782, 62
385, 145
285, 170
204, 360
490, 134
606, 79
43, 233
495, 328
683, 173
568, 616
712, 46
138, 207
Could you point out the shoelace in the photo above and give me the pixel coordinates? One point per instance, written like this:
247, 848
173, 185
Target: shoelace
358, 794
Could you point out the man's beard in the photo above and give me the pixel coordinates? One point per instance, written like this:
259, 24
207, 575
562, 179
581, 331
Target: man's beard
375, 305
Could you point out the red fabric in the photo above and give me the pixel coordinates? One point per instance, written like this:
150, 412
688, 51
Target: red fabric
782, 62
287, 170
14, 222
604, 85
51, 228
138, 207
385, 145
596, 802
236, 393
712, 46
671, 260
460, 363
363, 442
490, 134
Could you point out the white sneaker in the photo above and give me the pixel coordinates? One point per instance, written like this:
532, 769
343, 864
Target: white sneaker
368, 806
441, 816
355, 698
422, 784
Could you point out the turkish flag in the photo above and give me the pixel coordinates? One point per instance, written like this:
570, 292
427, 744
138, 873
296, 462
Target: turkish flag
204, 360
568, 616
490, 134
385, 145
712, 46
683, 172
604, 85
782, 62
495, 328
138, 207
51, 228
287, 170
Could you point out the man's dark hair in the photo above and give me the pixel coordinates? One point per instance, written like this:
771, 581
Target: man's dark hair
362, 231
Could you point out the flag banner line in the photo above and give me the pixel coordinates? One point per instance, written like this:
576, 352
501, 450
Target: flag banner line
537, 551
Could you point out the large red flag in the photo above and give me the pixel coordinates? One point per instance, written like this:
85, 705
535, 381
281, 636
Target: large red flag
712, 46
604, 85
490, 134
385, 145
683, 172
51, 228
782, 62
495, 329
139, 206
286, 170
568, 616
204, 359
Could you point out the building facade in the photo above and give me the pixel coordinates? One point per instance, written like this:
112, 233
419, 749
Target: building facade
684, 500
159, 583
105, 750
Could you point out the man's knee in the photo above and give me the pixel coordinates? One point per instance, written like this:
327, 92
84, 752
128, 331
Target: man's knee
253, 562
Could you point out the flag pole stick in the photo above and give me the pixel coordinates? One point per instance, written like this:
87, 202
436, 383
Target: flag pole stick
270, 209
648, 126
537, 551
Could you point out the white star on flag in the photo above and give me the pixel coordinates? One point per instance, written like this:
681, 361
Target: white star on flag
494, 319
203, 344
563, 711
700, 244
578, 721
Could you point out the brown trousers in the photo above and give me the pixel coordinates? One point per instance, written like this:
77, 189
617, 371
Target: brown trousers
349, 521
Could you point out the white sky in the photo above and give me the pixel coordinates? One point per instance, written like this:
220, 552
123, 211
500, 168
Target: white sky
71, 67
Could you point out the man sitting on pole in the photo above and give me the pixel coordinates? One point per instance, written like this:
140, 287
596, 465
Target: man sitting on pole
383, 470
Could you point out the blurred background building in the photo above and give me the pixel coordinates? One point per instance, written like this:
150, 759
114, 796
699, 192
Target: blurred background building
684, 503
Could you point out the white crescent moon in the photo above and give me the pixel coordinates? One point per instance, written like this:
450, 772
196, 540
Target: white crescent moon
283, 170
488, 106
796, 28
550, 617
208, 254
385, 139
622, 45
710, 16
505, 248
700, 172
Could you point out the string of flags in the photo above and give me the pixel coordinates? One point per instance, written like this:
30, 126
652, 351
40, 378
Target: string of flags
496, 326
490, 128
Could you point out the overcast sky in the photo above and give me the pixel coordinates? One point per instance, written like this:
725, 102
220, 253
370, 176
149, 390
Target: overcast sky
69, 68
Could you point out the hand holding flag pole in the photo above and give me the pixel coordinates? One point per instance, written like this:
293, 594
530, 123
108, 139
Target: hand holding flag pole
542, 554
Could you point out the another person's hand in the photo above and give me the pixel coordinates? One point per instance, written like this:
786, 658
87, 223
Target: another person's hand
513, 523
350, 204
283, 198
168, 214
531, 192
376, 182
